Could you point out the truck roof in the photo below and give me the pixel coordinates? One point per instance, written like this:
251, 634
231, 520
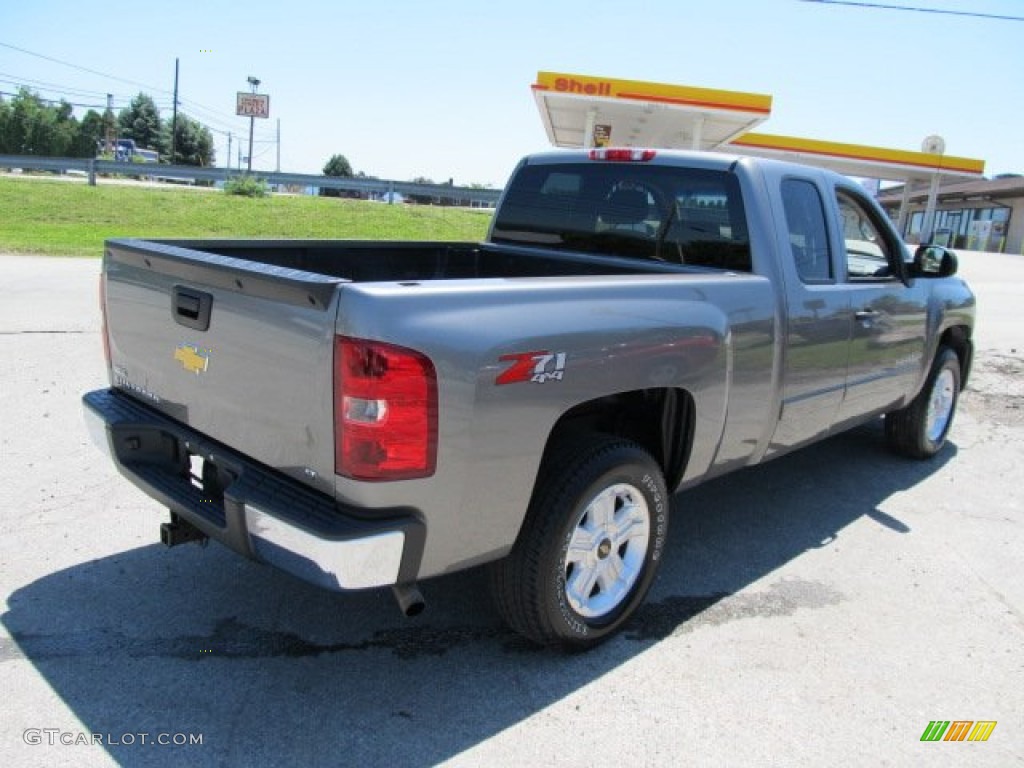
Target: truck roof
721, 161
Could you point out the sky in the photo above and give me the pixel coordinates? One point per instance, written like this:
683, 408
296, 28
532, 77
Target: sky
441, 89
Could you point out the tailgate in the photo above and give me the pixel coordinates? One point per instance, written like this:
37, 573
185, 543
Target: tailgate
237, 350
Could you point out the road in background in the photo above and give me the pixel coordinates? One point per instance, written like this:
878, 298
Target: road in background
819, 610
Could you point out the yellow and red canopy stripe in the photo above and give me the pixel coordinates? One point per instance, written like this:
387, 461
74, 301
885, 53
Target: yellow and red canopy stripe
637, 90
861, 153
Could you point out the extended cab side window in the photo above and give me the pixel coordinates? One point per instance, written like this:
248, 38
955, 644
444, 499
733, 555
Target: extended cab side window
808, 235
869, 256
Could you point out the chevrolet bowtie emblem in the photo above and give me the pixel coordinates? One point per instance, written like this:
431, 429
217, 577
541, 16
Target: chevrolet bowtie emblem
192, 358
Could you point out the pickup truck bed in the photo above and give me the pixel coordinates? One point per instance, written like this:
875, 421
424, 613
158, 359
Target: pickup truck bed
371, 261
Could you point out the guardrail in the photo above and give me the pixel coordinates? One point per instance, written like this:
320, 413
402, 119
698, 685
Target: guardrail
384, 187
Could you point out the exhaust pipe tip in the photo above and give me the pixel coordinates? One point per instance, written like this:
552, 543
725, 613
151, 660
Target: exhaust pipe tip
410, 600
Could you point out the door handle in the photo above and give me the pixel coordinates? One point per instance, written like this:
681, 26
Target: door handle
191, 308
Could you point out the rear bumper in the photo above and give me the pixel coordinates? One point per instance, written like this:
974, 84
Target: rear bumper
255, 510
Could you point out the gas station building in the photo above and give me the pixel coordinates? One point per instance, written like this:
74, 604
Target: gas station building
976, 215
936, 194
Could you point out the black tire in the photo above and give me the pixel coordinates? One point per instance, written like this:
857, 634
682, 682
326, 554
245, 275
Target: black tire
580, 484
920, 429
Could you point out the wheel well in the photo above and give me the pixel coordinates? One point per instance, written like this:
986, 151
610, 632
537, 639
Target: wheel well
659, 420
958, 339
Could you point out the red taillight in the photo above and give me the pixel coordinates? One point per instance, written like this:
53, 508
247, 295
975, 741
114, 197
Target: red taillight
623, 155
385, 411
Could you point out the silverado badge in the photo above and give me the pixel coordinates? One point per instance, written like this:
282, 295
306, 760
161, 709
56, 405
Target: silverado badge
193, 358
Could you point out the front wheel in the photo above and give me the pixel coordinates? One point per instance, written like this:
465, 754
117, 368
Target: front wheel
590, 545
920, 429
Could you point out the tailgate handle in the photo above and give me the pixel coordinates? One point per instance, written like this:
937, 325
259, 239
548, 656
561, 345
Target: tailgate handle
191, 308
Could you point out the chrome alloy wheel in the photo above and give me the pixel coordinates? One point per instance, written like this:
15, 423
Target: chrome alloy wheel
606, 550
940, 405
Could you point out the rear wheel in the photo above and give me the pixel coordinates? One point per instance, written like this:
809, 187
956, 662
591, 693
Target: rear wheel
590, 545
920, 429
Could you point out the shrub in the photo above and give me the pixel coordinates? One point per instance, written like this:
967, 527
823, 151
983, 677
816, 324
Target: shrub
247, 186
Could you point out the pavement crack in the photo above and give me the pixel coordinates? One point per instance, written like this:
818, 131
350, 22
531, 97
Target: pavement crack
235, 640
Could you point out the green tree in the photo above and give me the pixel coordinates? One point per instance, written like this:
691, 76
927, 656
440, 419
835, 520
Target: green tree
5, 126
140, 121
90, 134
31, 126
65, 130
24, 126
193, 142
339, 167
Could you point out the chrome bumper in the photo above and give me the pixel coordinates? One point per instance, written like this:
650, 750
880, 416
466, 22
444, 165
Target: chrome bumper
258, 512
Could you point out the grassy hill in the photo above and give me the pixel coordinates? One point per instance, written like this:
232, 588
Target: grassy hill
64, 218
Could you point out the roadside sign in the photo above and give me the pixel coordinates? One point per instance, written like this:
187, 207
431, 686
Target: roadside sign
253, 104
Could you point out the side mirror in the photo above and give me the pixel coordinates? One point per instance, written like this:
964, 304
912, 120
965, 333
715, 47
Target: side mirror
934, 261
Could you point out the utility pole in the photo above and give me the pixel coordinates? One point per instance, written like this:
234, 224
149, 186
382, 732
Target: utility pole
252, 123
279, 145
174, 116
255, 83
110, 121
229, 150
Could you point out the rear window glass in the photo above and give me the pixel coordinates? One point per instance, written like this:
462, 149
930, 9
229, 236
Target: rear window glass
671, 214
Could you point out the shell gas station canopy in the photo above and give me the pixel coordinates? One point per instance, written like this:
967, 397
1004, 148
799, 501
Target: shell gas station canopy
581, 111
586, 111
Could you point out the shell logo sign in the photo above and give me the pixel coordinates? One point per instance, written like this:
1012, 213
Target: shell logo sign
636, 90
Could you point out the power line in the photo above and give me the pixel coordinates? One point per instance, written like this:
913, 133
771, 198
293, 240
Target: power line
228, 123
884, 6
217, 122
224, 120
55, 103
117, 104
81, 68
6, 77
194, 106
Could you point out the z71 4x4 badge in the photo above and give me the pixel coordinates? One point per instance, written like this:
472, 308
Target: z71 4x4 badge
538, 367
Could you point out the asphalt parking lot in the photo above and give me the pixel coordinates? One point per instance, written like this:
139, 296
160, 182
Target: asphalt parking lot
819, 610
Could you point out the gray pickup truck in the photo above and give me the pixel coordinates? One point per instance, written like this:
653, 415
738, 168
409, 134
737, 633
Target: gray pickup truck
367, 414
